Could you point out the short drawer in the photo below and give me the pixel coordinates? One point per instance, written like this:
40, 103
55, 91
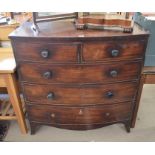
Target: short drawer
102, 51
76, 95
47, 52
79, 115
92, 73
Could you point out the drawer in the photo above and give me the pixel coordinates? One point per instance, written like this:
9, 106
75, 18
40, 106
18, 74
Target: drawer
82, 94
79, 115
47, 52
102, 51
97, 73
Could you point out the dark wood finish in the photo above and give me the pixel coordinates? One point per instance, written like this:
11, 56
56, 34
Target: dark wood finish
3, 90
136, 106
56, 53
80, 95
79, 115
79, 79
149, 75
81, 73
149, 79
66, 31
33, 127
82, 127
103, 51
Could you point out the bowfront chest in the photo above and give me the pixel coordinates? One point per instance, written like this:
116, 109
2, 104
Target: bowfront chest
79, 79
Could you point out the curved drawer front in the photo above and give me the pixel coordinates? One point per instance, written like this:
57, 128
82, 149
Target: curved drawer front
113, 50
79, 115
47, 52
101, 73
80, 95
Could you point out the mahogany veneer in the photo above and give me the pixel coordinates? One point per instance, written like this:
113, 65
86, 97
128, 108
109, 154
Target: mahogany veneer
79, 79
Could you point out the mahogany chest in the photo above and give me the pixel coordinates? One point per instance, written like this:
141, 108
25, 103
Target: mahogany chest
79, 79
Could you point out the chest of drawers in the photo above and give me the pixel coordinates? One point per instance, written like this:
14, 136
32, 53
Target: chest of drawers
79, 79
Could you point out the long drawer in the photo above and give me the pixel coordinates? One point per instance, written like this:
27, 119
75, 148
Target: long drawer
47, 52
80, 95
79, 115
88, 73
101, 51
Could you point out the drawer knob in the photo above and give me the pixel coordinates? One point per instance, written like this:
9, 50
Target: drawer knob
107, 114
110, 94
50, 96
81, 112
113, 73
45, 53
115, 53
47, 75
52, 115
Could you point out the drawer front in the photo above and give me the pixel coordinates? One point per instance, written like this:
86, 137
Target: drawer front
47, 52
101, 73
79, 115
113, 50
76, 95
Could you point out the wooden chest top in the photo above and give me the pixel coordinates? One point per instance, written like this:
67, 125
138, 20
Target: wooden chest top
66, 31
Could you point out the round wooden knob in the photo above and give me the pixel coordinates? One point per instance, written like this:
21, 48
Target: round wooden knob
113, 73
50, 96
47, 75
52, 115
115, 53
110, 94
107, 114
45, 53
81, 112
